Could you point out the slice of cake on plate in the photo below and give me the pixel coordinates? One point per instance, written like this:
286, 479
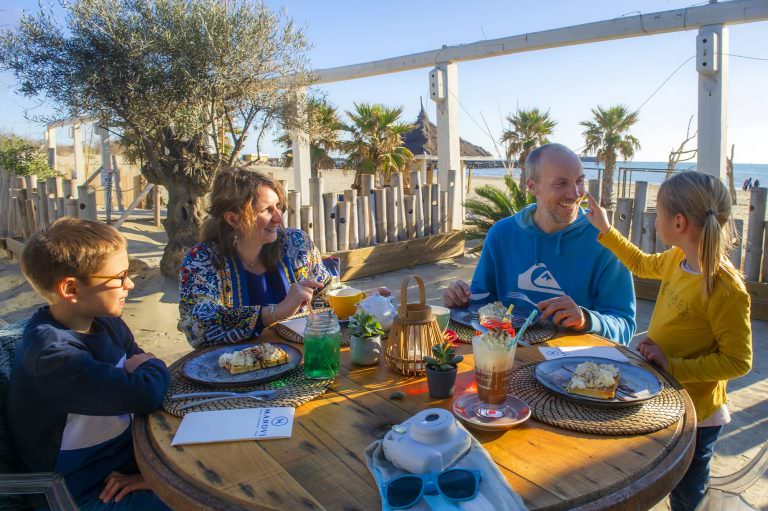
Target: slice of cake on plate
259, 356
595, 380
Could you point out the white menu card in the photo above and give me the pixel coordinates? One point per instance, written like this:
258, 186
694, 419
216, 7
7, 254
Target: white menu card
234, 425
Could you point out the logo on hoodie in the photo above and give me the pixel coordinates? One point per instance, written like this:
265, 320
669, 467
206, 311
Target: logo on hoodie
539, 278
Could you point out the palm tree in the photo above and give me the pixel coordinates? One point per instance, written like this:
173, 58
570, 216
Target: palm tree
607, 136
494, 204
323, 128
377, 141
530, 129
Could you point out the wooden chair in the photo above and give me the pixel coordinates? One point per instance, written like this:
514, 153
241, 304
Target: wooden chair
12, 482
724, 493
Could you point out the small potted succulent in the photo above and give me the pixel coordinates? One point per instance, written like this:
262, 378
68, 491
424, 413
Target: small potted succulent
365, 338
441, 369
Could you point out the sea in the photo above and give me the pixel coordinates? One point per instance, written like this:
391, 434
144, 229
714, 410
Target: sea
650, 171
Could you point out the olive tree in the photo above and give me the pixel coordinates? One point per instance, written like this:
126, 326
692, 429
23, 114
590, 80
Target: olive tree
182, 82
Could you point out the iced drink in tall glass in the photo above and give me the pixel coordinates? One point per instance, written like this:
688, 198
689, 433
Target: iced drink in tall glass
493, 363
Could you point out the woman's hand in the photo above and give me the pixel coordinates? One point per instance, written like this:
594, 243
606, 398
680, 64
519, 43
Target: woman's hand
597, 215
118, 485
300, 293
652, 353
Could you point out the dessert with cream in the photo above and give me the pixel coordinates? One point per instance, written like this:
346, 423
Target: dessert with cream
594, 380
259, 356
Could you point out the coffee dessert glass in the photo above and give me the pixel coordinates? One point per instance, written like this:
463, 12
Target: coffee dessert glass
494, 355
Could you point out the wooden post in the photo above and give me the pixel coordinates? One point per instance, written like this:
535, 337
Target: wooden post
426, 206
305, 213
735, 253
30, 182
449, 198
343, 235
418, 206
20, 213
294, 211
87, 203
649, 232
329, 208
42, 192
392, 214
366, 189
594, 189
363, 220
764, 270
623, 216
410, 216
435, 205
318, 215
350, 196
68, 189
5, 201
755, 230
443, 212
70, 207
50, 136
156, 205
29, 207
641, 201
40, 222
609, 214
380, 210
397, 189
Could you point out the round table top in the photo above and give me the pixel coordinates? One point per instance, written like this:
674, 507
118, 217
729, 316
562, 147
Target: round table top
322, 465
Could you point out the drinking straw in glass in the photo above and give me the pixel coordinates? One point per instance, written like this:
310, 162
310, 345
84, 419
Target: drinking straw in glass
523, 328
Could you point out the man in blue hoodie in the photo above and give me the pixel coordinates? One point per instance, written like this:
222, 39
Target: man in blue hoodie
547, 254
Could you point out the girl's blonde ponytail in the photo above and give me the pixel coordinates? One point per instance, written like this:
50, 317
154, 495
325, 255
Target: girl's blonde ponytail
705, 201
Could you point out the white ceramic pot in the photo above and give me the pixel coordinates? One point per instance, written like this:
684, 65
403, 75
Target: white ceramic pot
365, 351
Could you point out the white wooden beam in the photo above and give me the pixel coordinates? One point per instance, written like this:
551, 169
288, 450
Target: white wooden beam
677, 20
302, 164
448, 139
713, 106
50, 138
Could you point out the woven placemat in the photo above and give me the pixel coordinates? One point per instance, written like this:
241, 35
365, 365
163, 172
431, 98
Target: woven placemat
293, 388
534, 334
291, 336
652, 415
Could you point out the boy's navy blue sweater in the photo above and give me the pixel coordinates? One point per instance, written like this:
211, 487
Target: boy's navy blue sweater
70, 400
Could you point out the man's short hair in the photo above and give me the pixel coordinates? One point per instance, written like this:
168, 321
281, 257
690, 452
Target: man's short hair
534, 157
69, 247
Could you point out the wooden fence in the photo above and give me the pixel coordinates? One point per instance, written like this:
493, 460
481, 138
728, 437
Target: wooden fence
412, 220
28, 205
635, 220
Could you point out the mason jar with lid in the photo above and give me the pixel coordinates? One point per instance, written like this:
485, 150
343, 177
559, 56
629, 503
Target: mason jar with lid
322, 345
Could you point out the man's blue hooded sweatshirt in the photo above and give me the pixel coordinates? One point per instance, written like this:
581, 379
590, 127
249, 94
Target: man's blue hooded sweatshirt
519, 257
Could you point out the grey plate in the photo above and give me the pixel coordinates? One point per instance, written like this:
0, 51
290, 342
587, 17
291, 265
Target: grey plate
204, 367
639, 381
463, 315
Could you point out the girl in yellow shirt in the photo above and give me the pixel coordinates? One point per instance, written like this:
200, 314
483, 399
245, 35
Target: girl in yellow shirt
699, 331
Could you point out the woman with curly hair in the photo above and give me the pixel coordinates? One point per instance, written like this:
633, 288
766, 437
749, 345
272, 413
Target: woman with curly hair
248, 271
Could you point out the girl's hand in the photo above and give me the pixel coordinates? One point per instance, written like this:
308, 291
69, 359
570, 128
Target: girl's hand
597, 215
652, 353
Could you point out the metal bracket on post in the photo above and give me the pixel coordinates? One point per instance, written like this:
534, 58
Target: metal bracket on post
706, 53
437, 84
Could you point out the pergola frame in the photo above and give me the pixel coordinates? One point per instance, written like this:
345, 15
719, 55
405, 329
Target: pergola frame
709, 19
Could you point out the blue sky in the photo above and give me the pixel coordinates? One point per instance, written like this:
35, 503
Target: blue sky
566, 81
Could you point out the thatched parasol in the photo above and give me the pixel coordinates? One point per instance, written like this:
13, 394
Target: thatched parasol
422, 140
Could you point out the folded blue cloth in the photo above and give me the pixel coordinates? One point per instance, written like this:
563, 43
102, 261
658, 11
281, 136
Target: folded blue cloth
494, 494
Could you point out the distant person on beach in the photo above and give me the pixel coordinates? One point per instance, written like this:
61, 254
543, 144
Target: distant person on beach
747, 184
700, 329
548, 254
249, 271
79, 375
756, 184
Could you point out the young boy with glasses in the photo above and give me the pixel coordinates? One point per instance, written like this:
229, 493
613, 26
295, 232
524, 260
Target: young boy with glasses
79, 375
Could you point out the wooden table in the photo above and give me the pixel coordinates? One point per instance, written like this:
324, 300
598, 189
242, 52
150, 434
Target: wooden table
322, 466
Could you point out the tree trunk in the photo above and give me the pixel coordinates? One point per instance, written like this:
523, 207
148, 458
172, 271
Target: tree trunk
186, 211
606, 197
523, 179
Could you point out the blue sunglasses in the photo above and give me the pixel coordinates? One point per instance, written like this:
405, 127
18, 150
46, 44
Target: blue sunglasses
456, 484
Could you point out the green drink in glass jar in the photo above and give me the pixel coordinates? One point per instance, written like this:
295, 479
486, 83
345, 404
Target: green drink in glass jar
322, 346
